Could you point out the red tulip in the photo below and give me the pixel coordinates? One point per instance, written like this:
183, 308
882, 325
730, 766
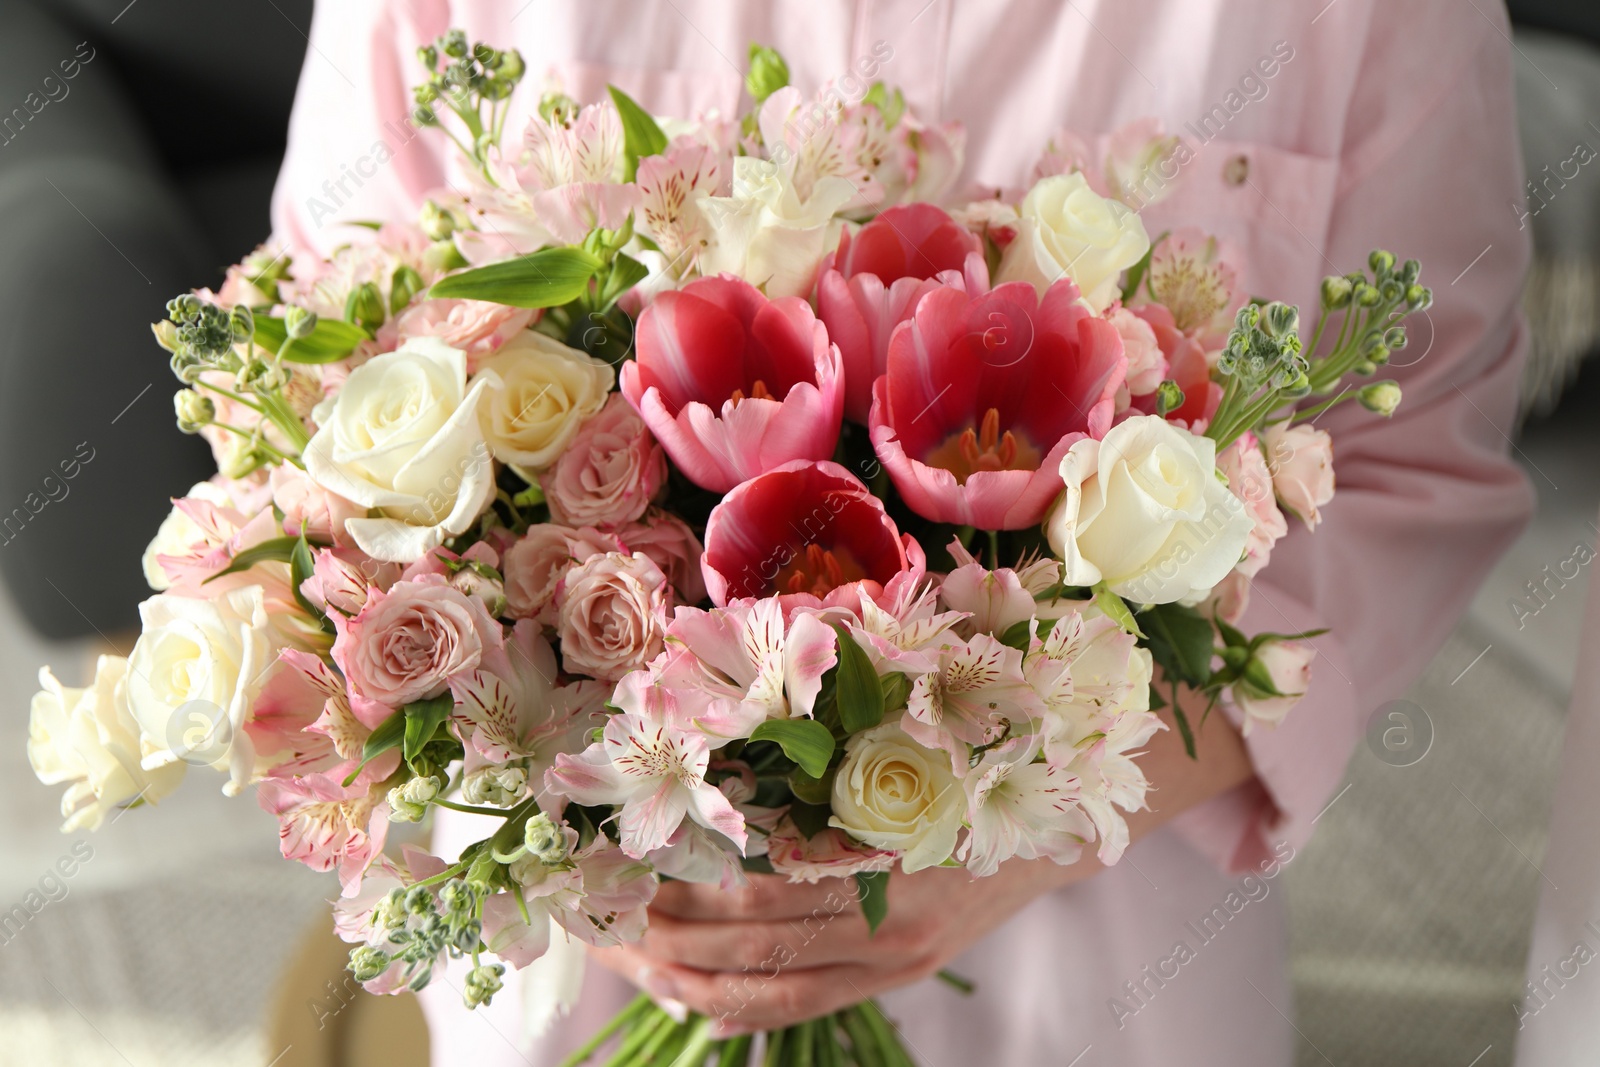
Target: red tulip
984, 395
810, 532
873, 282
733, 384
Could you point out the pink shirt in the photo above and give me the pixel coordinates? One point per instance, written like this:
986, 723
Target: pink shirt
1323, 130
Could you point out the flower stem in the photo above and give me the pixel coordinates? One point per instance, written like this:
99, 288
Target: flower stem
472, 809
635, 1008
443, 876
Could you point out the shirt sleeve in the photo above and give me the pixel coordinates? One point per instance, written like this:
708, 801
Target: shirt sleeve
1425, 501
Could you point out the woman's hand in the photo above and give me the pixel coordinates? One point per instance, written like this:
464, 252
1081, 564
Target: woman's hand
776, 953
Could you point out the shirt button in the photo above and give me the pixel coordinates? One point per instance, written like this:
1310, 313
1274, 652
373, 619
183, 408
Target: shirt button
1237, 170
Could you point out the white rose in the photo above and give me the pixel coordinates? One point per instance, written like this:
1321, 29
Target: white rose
402, 436
892, 793
1145, 512
766, 234
193, 676
1069, 230
86, 737
177, 534
547, 390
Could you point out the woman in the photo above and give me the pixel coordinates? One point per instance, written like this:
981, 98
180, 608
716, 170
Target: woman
1320, 131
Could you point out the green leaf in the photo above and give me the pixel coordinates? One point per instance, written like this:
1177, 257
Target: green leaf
896, 691
809, 789
873, 890
640, 135
809, 819
277, 550
422, 720
300, 567
389, 734
806, 741
330, 340
1019, 635
626, 272
860, 695
1115, 609
1182, 642
547, 278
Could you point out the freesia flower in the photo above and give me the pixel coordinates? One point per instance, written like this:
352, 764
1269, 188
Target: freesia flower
983, 397
872, 283
810, 532
656, 773
733, 384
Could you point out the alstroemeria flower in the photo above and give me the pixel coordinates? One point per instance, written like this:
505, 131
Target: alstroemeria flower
810, 532
324, 823
1017, 807
873, 282
983, 397
656, 773
976, 695
733, 384
1196, 277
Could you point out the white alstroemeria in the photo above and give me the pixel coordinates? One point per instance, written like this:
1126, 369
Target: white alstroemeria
1110, 778
656, 773
976, 695
1087, 671
1019, 807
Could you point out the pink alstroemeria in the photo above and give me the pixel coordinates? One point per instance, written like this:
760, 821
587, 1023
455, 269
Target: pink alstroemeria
996, 600
1196, 277
670, 187
1017, 807
656, 773
325, 824
900, 630
976, 695
873, 282
511, 707
733, 384
809, 532
303, 721
984, 396
730, 669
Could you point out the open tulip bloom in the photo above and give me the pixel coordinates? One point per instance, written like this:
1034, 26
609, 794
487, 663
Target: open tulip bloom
765, 517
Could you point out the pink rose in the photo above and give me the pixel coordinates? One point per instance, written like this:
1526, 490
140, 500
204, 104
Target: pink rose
309, 507
613, 615
609, 472
1301, 461
476, 572
476, 327
1288, 665
341, 578
1147, 366
405, 644
830, 854
536, 565
1249, 480
668, 541
1227, 599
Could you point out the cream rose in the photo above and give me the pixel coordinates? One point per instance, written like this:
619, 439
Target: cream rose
1301, 461
402, 437
86, 737
613, 615
193, 675
1145, 512
1069, 230
766, 233
892, 793
547, 391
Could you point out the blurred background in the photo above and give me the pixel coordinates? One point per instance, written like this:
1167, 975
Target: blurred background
183, 939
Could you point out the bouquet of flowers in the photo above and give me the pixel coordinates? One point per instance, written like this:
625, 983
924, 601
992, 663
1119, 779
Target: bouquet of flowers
695, 497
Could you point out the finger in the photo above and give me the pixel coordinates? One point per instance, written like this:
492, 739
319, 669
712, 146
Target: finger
751, 1002
768, 897
632, 964
818, 940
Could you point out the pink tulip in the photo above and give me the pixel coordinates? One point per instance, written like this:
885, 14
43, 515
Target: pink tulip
985, 394
874, 281
808, 531
733, 384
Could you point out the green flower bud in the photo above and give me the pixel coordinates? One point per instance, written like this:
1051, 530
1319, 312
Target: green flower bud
420, 902
409, 802
1393, 292
390, 912
1381, 262
559, 109
483, 983
243, 321
1395, 337
545, 840
457, 898
767, 74
1382, 398
184, 309
511, 66
364, 306
1419, 298
194, 410
1281, 320
442, 256
454, 44
298, 322
1336, 292
404, 285
498, 787
166, 334
1410, 271
1296, 388
1366, 368
367, 963
1367, 294
1169, 397
436, 222
429, 57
